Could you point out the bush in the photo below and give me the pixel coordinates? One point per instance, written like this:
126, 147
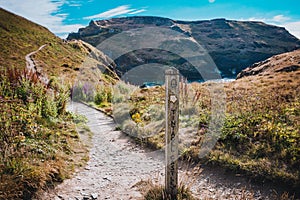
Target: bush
103, 94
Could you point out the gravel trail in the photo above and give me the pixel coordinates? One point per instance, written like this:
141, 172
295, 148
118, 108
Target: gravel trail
117, 163
31, 65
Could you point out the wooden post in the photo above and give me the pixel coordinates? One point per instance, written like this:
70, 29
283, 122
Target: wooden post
172, 125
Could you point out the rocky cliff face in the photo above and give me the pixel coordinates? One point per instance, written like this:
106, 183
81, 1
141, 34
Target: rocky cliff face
233, 45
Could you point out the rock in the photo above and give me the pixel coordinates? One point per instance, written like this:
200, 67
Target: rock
106, 178
94, 195
233, 45
84, 194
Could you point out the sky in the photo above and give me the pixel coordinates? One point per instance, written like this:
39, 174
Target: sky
65, 16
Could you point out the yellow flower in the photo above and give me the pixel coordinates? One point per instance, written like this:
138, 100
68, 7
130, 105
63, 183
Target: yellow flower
136, 117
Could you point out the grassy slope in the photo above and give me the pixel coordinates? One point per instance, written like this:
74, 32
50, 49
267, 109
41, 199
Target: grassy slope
18, 37
262, 130
37, 137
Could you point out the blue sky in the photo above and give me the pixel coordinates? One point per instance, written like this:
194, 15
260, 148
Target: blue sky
65, 16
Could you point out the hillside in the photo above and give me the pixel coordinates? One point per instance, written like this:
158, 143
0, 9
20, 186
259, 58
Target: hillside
18, 37
276, 65
233, 45
278, 77
39, 142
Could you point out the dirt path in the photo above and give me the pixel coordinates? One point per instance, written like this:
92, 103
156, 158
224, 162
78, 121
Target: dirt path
116, 164
31, 65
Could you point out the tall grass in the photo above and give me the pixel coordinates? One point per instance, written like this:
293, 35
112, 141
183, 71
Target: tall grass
35, 132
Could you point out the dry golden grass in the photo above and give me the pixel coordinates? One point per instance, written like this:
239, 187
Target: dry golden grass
154, 191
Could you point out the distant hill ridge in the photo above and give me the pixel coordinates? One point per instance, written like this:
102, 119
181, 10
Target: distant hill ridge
233, 45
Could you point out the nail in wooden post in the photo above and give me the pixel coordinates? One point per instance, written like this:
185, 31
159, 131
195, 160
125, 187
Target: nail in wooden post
172, 125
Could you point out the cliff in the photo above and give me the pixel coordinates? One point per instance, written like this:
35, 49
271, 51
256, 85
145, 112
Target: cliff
233, 45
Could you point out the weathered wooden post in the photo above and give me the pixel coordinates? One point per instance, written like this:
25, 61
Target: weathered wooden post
172, 125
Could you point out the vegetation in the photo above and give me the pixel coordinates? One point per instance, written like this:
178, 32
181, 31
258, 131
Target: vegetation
97, 95
36, 135
154, 191
260, 135
159, 193
19, 37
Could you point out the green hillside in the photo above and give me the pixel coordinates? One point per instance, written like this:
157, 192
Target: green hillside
38, 139
18, 37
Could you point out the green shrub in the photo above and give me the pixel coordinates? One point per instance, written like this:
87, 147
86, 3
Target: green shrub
98, 99
103, 94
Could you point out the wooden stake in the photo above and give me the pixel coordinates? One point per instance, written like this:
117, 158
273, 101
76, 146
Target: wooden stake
172, 126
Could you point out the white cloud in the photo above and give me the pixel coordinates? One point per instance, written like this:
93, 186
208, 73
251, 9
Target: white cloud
113, 12
41, 12
211, 1
63, 30
120, 10
37, 11
75, 5
293, 28
256, 19
137, 11
280, 18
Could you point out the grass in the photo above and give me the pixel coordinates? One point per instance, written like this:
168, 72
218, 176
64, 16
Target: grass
154, 191
157, 192
261, 132
37, 135
57, 60
20, 37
